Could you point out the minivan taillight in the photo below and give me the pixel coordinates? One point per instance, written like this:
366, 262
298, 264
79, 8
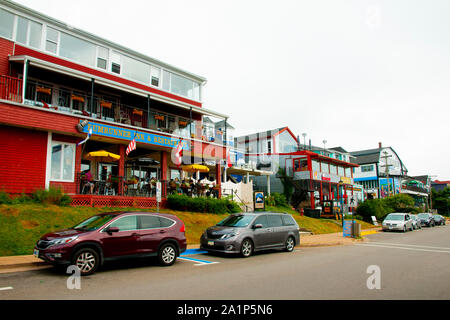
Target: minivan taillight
182, 229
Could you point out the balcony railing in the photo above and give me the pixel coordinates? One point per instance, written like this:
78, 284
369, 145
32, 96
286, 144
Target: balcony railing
102, 107
10, 89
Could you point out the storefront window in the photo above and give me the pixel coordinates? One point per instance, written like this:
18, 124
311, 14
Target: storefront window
63, 160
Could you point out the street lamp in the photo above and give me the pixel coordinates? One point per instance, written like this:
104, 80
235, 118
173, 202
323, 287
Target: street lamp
304, 140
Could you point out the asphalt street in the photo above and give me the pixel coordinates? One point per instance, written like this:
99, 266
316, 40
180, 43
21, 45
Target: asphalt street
412, 265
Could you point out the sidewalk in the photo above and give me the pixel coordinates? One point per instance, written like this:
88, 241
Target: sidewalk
28, 263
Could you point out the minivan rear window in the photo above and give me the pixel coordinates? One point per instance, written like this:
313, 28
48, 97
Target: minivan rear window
288, 220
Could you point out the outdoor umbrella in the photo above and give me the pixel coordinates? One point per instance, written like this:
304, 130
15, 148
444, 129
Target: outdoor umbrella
102, 156
195, 168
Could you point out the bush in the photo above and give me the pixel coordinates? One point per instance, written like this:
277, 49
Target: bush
205, 205
400, 203
277, 200
374, 207
5, 198
51, 196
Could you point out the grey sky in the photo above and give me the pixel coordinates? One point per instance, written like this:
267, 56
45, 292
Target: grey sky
352, 72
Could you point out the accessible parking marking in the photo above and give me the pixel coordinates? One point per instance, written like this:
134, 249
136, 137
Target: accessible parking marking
199, 262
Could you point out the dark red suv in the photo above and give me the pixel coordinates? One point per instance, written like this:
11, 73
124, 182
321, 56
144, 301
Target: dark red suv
114, 235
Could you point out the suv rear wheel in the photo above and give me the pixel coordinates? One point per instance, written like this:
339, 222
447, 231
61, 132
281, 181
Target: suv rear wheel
167, 254
87, 260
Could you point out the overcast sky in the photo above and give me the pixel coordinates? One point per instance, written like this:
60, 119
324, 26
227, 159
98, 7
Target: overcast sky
353, 73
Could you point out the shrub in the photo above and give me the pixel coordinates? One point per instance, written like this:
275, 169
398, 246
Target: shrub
51, 196
400, 203
5, 198
277, 200
374, 207
205, 205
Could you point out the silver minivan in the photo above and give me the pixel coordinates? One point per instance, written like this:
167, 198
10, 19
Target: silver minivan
246, 233
398, 221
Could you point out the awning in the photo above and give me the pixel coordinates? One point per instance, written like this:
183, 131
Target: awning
102, 156
195, 168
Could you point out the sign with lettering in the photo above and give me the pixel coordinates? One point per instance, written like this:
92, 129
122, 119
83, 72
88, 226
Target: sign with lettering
128, 134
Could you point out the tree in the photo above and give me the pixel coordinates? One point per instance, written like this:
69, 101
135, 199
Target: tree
441, 201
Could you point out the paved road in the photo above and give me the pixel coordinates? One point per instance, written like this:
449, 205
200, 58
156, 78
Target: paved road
414, 265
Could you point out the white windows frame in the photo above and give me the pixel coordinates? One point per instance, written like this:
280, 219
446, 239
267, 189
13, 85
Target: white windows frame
61, 161
55, 42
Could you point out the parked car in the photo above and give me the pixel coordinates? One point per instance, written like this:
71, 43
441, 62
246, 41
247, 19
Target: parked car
440, 220
398, 221
246, 233
114, 235
426, 219
416, 222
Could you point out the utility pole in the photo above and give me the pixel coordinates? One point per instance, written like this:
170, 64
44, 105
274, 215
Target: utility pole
387, 165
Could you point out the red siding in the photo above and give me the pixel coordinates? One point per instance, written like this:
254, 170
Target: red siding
6, 49
23, 159
42, 119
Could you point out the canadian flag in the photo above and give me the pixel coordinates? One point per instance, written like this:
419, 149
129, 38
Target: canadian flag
178, 154
229, 163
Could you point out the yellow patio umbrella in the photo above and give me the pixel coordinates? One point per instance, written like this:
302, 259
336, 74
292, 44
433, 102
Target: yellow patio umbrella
102, 156
195, 168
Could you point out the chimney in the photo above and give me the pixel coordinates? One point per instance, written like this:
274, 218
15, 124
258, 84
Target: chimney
379, 145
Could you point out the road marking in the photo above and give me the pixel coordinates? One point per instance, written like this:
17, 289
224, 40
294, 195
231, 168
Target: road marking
409, 245
6, 288
189, 252
198, 261
392, 247
365, 233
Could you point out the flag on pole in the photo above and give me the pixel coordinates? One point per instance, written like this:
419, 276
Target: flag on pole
178, 153
131, 145
229, 163
87, 138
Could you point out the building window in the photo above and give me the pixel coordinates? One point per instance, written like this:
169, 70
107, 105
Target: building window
6, 24
102, 57
77, 49
51, 44
63, 161
135, 69
367, 168
115, 62
155, 76
269, 146
28, 32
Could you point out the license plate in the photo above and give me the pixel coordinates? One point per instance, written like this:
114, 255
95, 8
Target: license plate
210, 243
390, 227
36, 253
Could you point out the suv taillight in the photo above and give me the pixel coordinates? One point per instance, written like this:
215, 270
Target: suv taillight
182, 229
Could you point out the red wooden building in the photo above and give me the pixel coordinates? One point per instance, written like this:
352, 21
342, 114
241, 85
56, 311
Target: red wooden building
57, 83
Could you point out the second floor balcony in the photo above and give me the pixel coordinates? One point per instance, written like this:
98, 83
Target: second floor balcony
69, 95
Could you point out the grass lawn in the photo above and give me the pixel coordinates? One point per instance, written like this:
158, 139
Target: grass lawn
21, 225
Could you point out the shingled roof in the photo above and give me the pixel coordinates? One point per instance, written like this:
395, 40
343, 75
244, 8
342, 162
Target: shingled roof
366, 156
